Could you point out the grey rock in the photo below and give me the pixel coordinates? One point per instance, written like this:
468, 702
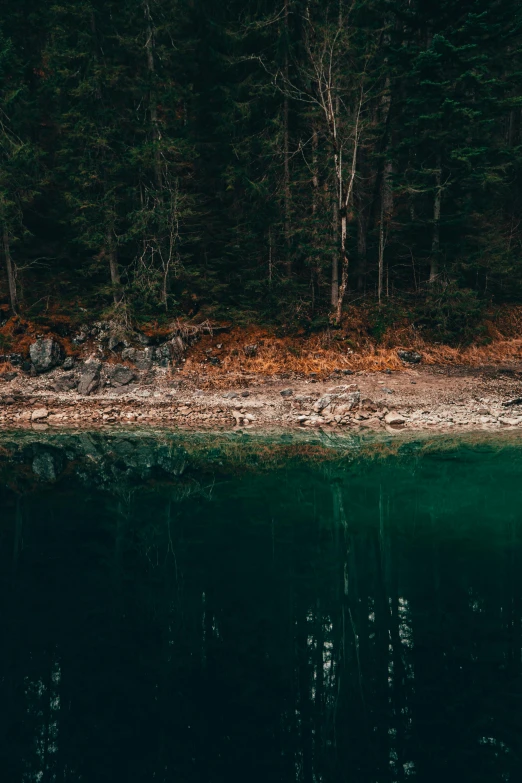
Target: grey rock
410, 357
90, 378
386, 390
128, 354
69, 363
144, 359
231, 395
39, 413
245, 394
394, 420
7, 377
115, 342
286, 392
352, 398
119, 375
323, 402
143, 339
162, 355
45, 354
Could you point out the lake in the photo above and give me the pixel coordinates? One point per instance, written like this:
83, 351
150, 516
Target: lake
225, 608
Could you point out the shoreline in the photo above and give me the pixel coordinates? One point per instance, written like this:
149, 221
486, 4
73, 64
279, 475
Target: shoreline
437, 399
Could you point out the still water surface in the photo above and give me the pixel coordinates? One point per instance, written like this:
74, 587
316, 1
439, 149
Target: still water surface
260, 613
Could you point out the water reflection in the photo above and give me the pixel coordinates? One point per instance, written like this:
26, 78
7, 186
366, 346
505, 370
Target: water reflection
314, 622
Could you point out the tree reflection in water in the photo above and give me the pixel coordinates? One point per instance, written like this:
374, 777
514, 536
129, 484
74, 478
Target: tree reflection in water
307, 623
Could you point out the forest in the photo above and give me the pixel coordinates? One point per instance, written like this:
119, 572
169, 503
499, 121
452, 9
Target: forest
260, 161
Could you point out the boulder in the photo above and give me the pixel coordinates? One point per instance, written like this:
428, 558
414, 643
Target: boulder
39, 414
69, 363
162, 355
287, 392
410, 357
394, 420
128, 354
143, 359
514, 401
45, 354
119, 375
352, 398
323, 402
90, 378
115, 341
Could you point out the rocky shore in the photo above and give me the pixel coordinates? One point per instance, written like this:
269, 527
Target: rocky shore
151, 386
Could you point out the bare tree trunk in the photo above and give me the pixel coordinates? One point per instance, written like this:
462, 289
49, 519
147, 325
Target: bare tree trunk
435, 245
315, 193
344, 268
13, 299
345, 199
156, 134
334, 295
114, 269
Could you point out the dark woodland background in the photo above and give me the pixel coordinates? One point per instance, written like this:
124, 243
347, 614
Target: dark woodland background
275, 162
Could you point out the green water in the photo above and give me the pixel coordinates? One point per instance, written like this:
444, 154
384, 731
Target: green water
240, 610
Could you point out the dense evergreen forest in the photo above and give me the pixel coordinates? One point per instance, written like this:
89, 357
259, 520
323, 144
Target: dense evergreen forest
282, 161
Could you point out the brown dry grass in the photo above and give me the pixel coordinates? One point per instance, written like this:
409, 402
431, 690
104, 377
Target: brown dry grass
350, 349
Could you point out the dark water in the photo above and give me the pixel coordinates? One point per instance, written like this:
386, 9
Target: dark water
259, 613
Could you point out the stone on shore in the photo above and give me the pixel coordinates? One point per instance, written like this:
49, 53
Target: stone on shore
394, 420
39, 414
119, 375
90, 378
45, 354
410, 357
